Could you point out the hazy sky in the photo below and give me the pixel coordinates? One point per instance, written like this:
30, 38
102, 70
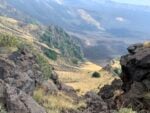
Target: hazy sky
137, 2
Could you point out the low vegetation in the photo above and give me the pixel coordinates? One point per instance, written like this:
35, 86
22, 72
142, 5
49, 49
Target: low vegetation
82, 81
126, 110
44, 65
96, 75
56, 103
147, 96
50, 54
117, 71
114, 67
8, 41
2, 110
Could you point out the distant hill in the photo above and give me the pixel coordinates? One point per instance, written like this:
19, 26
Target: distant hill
93, 15
93, 20
8, 10
104, 51
54, 42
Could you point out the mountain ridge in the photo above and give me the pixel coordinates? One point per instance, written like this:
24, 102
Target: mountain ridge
94, 21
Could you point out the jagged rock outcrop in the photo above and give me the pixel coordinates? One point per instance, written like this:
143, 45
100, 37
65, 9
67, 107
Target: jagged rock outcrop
68, 90
132, 90
17, 101
49, 87
19, 76
104, 101
55, 79
136, 78
21, 71
136, 65
109, 91
95, 104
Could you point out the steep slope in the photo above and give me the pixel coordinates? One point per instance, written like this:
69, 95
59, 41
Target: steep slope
56, 37
25, 71
55, 42
97, 21
21, 72
135, 77
130, 94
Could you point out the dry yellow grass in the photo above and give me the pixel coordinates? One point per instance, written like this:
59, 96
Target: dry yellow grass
56, 103
82, 81
126, 110
90, 84
7, 50
70, 77
89, 66
147, 44
8, 20
30, 27
12, 26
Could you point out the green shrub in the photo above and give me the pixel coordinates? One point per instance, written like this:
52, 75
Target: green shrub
96, 75
44, 65
47, 38
8, 41
50, 54
75, 61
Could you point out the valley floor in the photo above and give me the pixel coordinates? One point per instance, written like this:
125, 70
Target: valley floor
81, 78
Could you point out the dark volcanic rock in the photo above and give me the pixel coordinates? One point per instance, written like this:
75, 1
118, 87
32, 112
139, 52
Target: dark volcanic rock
132, 90
55, 79
21, 71
107, 91
136, 67
133, 48
95, 104
136, 78
49, 87
19, 102
19, 76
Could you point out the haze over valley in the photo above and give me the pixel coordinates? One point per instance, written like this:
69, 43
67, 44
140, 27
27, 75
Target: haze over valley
74, 56
114, 24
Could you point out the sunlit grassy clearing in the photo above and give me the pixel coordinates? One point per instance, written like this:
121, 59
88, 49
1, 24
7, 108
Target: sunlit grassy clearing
82, 80
89, 66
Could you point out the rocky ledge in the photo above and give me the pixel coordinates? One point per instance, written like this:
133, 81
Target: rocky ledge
136, 78
132, 90
19, 76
